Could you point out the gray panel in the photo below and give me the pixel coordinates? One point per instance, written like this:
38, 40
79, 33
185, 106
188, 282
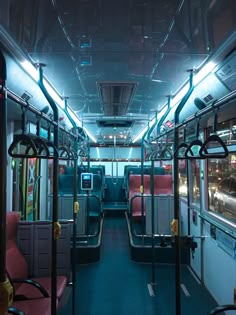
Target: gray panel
42, 249
82, 215
50, 205
65, 210
66, 207
163, 214
25, 243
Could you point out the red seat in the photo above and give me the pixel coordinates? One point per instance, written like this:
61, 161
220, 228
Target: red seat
163, 184
16, 265
134, 189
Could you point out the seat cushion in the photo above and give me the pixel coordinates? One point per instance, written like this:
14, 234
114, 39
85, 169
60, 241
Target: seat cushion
34, 307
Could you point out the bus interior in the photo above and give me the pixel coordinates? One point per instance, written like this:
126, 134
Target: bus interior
118, 157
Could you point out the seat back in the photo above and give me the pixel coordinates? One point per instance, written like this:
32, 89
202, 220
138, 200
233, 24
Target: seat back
134, 188
163, 184
16, 265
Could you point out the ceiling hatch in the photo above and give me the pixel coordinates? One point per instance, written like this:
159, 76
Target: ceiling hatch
116, 97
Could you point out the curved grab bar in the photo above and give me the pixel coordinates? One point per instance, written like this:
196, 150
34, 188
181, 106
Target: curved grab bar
214, 155
223, 308
64, 153
42, 148
55, 154
189, 154
166, 154
23, 139
178, 150
15, 311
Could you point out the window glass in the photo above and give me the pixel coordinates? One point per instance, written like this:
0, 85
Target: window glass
232, 185
222, 186
195, 187
183, 187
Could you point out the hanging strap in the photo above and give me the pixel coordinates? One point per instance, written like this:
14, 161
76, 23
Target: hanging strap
42, 148
23, 140
50, 144
189, 153
178, 154
212, 139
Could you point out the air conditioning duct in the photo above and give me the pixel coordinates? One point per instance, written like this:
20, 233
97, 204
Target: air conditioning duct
116, 97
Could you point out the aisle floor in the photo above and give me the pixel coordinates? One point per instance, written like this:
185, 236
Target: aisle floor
116, 285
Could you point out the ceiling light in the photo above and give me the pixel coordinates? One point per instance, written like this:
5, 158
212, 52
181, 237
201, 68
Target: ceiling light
33, 72
74, 117
203, 72
89, 134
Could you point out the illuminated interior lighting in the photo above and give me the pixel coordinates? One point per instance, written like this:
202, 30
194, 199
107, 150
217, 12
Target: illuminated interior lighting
33, 72
30, 69
89, 134
169, 123
54, 94
74, 117
140, 135
158, 81
130, 153
205, 71
98, 153
179, 96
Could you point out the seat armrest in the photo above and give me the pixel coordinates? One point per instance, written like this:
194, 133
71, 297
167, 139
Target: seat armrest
33, 283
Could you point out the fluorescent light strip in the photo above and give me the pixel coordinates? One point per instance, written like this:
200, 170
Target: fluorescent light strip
74, 117
89, 134
98, 153
207, 69
204, 72
33, 72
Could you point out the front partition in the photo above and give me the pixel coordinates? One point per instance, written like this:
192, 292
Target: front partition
163, 214
65, 210
34, 239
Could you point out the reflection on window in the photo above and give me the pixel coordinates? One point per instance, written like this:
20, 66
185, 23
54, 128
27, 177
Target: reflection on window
195, 181
226, 131
222, 186
183, 187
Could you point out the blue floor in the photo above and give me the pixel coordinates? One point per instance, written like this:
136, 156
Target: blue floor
118, 286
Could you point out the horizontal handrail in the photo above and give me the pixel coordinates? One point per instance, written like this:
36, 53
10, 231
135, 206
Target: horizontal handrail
218, 226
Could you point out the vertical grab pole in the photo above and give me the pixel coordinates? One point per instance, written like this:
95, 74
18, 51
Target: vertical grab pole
153, 223
175, 222
75, 208
142, 180
3, 153
6, 291
55, 223
152, 190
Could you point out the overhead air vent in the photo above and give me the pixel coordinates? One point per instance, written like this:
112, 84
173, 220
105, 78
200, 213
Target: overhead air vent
114, 123
208, 98
26, 96
116, 97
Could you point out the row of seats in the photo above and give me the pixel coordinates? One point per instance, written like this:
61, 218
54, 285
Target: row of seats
32, 294
162, 185
136, 170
